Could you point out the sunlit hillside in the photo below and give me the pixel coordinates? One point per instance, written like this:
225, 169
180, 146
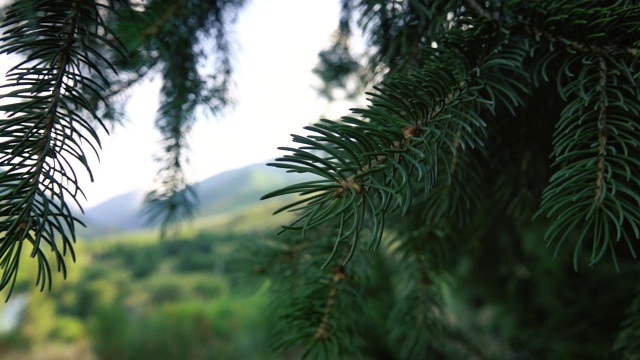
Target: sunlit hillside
130, 295
222, 198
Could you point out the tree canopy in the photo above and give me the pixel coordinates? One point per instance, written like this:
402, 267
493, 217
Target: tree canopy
495, 170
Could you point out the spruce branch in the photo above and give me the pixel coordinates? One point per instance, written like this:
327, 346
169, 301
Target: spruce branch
161, 20
479, 9
602, 135
456, 154
324, 329
605, 18
588, 29
49, 121
591, 196
424, 281
627, 340
176, 35
313, 308
574, 45
369, 165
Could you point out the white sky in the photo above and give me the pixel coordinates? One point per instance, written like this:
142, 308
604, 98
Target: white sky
277, 42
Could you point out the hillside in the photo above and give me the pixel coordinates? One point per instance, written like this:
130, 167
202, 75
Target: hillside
221, 196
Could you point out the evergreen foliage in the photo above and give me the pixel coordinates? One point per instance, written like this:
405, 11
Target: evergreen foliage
80, 59
49, 124
493, 120
485, 204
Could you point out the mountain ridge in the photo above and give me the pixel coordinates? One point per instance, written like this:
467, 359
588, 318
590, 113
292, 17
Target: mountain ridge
221, 194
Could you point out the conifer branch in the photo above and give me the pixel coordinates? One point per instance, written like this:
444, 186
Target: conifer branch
368, 165
602, 134
410, 136
186, 92
592, 22
479, 9
423, 284
49, 123
572, 44
627, 340
595, 159
592, 49
161, 21
324, 329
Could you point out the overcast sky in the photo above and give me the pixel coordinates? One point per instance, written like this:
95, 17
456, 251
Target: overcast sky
278, 42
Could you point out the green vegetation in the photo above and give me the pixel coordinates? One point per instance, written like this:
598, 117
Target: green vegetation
136, 298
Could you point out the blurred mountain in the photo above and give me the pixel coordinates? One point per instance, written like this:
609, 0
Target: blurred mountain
119, 212
220, 195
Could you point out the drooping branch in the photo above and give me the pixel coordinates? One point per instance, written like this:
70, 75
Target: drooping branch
49, 124
368, 164
186, 93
